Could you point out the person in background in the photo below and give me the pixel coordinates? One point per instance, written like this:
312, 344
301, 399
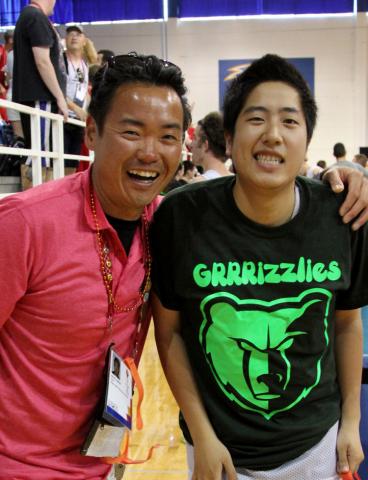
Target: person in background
190, 171
5, 49
60, 308
361, 159
13, 115
339, 152
76, 93
310, 171
39, 74
177, 181
103, 56
257, 319
322, 164
208, 147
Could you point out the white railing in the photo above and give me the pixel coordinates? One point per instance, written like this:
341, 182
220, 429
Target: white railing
35, 152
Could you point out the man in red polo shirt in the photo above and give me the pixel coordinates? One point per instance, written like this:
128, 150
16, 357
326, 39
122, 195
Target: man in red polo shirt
75, 270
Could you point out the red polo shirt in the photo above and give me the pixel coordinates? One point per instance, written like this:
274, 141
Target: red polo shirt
53, 335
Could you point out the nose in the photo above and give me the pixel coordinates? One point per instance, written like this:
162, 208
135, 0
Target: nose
272, 134
148, 150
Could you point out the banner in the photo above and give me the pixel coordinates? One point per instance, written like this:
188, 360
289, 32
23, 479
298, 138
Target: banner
229, 69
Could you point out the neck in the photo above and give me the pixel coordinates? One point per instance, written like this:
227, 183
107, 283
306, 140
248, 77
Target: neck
39, 5
74, 55
268, 208
212, 163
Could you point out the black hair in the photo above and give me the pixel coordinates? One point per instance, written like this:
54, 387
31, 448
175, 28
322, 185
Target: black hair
322, 164
131, 69
269, 68
188, 166
212, 126
106, 54
339, 150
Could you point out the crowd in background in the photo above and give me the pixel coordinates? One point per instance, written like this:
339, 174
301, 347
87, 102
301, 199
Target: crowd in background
74, 62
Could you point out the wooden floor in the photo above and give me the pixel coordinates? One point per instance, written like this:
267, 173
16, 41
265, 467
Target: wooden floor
160, 418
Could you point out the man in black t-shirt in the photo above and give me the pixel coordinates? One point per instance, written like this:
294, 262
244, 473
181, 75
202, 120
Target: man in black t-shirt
39, 75
258, 286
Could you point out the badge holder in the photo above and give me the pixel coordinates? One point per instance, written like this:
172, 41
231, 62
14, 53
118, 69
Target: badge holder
108, 429
109, 435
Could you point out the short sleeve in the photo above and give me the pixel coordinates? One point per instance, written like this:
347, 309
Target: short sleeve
40, 32
356, 295
163, 243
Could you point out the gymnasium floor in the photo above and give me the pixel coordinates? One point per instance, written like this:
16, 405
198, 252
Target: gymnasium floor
160, 418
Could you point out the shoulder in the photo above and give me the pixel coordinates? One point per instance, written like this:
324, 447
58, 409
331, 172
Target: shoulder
320, 192
196, 196
31, 14
211, 174
43, 201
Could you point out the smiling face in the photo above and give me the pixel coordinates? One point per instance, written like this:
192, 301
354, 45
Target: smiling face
75, 41
270, 138
139, 149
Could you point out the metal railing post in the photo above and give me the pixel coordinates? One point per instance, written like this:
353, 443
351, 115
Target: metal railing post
58, 147
36, 145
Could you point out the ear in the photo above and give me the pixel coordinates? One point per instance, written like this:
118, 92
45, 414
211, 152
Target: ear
91, 133
229, 144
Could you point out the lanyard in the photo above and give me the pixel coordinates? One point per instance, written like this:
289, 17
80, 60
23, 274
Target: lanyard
107, 276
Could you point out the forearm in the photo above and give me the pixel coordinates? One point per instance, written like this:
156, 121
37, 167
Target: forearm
349, 353
344, 163
178, 371
81, 114
180, 378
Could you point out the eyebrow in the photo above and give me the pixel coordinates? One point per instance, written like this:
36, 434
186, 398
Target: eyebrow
139, 123
260, 108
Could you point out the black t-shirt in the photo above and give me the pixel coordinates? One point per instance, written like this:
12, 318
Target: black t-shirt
33, 29
257, 307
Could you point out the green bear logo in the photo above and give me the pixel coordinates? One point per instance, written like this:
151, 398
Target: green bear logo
266, 356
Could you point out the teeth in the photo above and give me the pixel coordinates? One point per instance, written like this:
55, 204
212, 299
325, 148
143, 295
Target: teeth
268, 159
143, 173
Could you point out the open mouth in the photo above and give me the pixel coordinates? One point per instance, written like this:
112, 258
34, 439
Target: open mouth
268, 160
146, 176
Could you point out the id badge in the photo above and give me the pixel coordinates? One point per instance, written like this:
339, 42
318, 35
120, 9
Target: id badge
119, 392
80, 94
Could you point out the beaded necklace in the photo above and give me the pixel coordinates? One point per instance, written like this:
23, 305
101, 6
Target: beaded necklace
106, 266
